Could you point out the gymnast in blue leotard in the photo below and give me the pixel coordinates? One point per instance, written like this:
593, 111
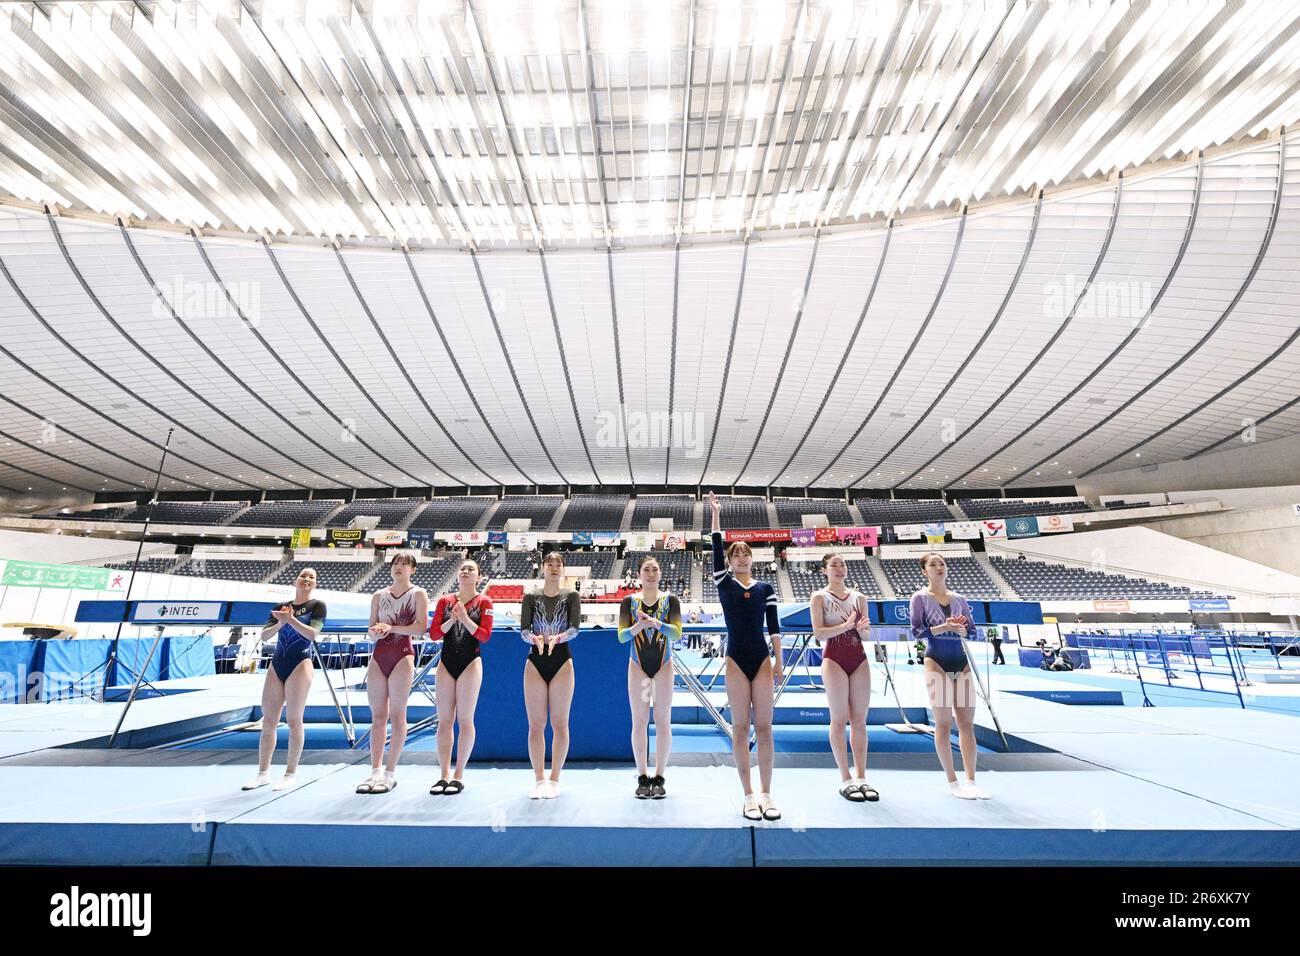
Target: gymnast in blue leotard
752, 666
296, 625
942, 618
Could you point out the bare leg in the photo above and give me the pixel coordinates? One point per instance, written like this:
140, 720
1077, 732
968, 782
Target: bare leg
444, 695
964, 710
859, 705
639, 691
467, 688
738, 702
663, 711
399, 691
837, 699
295, 694
377, 696
273, 693
764, 703
535, 699
561, 701
939, 686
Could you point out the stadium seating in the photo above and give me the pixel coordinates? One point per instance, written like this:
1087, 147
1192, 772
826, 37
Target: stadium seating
287, 514
432, 574
594, 513
188, 512
981, 508
790, 511
227, 569
965, 575
390, 511
807, 578
885, 511
541, 509
739, 513
151, 565
681, 508
452, 514
1041, 580
332, 575
674, 565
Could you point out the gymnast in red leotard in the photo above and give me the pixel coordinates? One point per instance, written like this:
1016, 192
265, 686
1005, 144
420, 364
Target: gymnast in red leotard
396, 613
839, 619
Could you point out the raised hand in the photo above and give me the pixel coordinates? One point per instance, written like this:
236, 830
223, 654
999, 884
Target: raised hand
714, 503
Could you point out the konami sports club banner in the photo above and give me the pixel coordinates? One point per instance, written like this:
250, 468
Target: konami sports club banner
751, 536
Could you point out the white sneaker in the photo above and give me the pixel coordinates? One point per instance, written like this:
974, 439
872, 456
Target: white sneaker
538, 791
552, 790
287, 782
976, 792
959, 791
261, 780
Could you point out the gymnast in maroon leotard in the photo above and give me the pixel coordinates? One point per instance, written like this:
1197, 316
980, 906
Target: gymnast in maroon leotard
397, 613
839, 619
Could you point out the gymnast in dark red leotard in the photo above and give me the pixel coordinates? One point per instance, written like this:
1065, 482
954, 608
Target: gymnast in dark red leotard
397, 613
839, 619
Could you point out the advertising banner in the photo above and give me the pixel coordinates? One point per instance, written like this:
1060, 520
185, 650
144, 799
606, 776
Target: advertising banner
859, 537
759, 535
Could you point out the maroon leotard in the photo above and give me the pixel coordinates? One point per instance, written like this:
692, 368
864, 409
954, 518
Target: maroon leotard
400, 612
844, 649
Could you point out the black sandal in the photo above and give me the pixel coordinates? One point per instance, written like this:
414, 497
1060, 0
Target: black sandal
382, 786
852, 792
869, 793
366, 786
438, 789
454, 787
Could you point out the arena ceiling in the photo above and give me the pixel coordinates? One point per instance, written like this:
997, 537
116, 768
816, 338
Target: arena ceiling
407, 244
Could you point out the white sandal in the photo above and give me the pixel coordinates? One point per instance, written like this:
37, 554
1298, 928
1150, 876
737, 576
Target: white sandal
770, 812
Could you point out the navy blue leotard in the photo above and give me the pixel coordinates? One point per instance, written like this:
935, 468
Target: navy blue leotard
744, 610
291, 648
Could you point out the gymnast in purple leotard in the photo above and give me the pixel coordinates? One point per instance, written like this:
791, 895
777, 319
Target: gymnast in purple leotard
839, 619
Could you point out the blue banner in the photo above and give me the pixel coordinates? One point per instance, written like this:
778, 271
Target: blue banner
420, 539
582, 537
496, 539
1026, 527
1209, 604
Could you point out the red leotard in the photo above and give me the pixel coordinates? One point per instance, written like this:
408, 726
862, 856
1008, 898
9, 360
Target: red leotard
400, 612
844, 649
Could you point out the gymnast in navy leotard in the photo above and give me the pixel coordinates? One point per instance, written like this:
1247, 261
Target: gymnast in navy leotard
942, 618
296, 626
752, 668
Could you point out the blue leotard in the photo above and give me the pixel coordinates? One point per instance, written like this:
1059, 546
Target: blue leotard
744, 610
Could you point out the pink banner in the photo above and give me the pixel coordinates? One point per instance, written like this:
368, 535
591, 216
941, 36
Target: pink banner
859, 537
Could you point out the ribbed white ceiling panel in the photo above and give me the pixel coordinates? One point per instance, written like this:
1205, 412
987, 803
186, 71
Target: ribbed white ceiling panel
457, 299
517, 290
770, 304
388, 287
992, 248
102, 366
841, 280
583, 310
286, 329
1093, 321
1168, 371
912, 274
643, 288
709, 281
1067, 243
1255, 363
322, 286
